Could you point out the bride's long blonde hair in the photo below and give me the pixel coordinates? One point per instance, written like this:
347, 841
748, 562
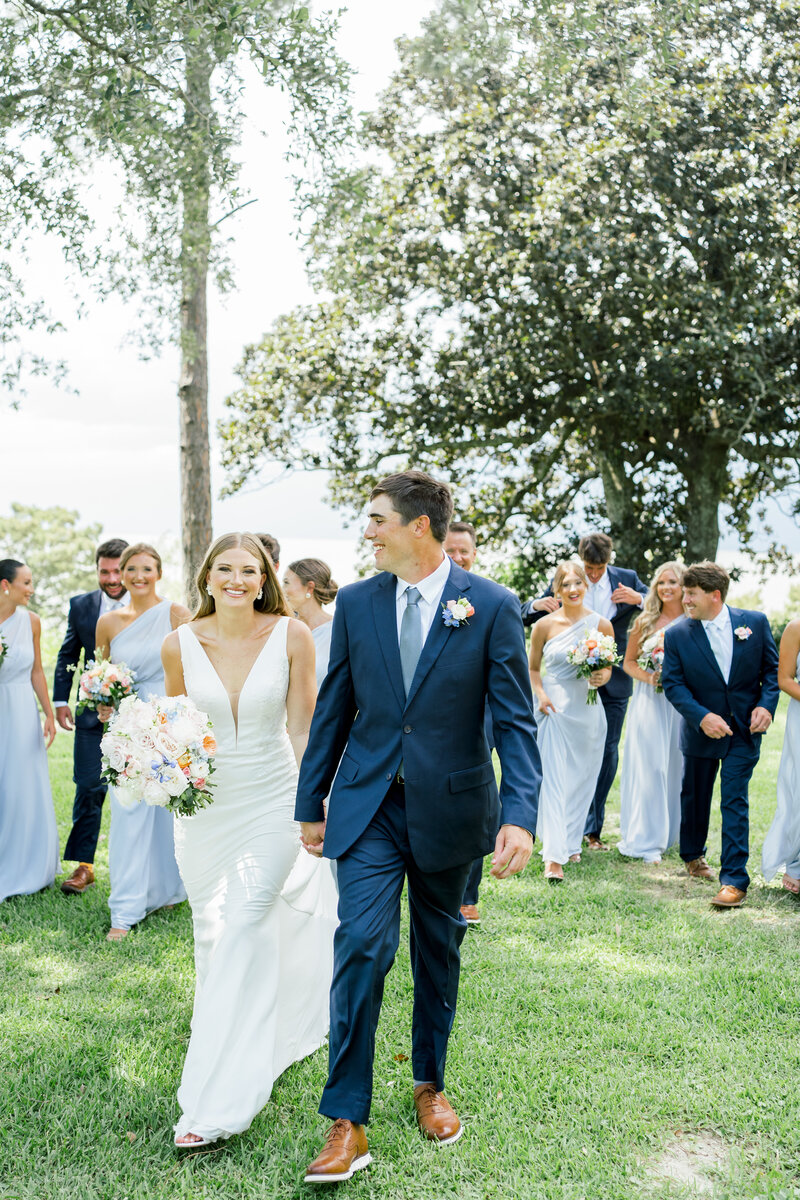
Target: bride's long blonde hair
272, 598
645, 623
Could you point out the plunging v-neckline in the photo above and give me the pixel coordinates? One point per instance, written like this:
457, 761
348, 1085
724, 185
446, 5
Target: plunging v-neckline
235, 715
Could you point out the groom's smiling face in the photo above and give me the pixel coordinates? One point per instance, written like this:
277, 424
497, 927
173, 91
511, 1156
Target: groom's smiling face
393, 543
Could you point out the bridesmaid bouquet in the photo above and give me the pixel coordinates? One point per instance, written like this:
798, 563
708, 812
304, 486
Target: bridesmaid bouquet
592, 653
3, 649
104, 682
653, 660
160, 751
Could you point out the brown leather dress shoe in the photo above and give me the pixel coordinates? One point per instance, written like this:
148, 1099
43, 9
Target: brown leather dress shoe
698, 868
470, 914
729, 896
593, 842
80, 879
435, 1117
345, 1151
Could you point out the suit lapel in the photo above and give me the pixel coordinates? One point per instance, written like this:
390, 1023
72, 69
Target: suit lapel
384, 611
739, 644
458, 584
704, 645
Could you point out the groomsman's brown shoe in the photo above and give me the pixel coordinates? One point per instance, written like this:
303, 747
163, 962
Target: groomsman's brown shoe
80, 879
593, 842
470, 914
435, 1117
345, 1151
729, 897
698, 868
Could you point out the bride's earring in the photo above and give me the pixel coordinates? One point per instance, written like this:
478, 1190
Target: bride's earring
260, 593
308, 595
208, 589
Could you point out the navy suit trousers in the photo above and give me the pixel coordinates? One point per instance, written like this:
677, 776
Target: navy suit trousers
371, 876
473, 882
90, 792
615, 719
699, 775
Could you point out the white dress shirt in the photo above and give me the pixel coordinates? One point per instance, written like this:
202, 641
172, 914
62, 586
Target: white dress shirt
430, 590
720, 636
598, 597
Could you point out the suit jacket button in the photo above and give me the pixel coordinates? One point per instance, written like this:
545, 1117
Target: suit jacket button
406, 729
389, 776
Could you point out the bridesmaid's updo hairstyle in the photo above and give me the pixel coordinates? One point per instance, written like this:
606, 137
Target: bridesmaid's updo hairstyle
9, 568
569, 567
140, 548
651, 607
314, 570
272, 598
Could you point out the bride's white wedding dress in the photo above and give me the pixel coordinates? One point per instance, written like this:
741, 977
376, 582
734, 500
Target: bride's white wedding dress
264, 911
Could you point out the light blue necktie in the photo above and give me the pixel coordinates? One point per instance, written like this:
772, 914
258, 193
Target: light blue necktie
410, 636
717, 640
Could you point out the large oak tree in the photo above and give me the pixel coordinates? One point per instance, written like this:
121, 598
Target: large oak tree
565, 271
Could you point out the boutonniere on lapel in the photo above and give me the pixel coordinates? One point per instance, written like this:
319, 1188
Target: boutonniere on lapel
455, 612
743, 632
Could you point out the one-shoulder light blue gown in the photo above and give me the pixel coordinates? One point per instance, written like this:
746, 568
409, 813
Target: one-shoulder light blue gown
141, 848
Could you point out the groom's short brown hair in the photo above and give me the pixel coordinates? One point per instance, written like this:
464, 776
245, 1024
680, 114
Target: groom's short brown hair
416, 494
709, 577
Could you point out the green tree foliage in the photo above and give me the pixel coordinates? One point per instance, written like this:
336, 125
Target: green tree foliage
565, 271
154, 89
59, 552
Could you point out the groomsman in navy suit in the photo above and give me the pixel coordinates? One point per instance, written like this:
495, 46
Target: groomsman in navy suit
77, 647
617, 594
721, 673
415, 652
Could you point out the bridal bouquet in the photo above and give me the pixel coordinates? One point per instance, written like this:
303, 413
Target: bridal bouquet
104, 682
161, 751
653, 660
592, 653
3, 649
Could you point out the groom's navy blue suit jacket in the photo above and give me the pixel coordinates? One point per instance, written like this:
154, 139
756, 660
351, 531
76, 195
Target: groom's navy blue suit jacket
78, 644
364, 719
694, 684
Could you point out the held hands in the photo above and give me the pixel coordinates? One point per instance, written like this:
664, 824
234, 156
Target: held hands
626, 595
312, 835
512, 850
64, 717
105, 712
760, 720
714, 726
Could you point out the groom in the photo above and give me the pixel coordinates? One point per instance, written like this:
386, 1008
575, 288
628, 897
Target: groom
721, 673
401, 712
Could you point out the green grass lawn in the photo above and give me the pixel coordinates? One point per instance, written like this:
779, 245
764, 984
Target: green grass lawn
610, 1030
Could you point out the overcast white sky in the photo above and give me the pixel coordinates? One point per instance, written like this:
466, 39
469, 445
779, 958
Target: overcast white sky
112, 451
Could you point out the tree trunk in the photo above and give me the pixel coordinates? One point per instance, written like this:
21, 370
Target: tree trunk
706, 477
195, 250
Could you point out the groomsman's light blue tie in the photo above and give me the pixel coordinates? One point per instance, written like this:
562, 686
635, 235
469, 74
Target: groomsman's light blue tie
717, 641
410, 636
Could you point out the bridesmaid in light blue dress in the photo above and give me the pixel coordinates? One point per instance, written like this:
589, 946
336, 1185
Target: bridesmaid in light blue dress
652, 763
29, 858
308, 586
141, 851
782, 843
570, 731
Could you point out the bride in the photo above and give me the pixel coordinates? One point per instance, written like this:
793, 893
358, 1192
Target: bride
263, 917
